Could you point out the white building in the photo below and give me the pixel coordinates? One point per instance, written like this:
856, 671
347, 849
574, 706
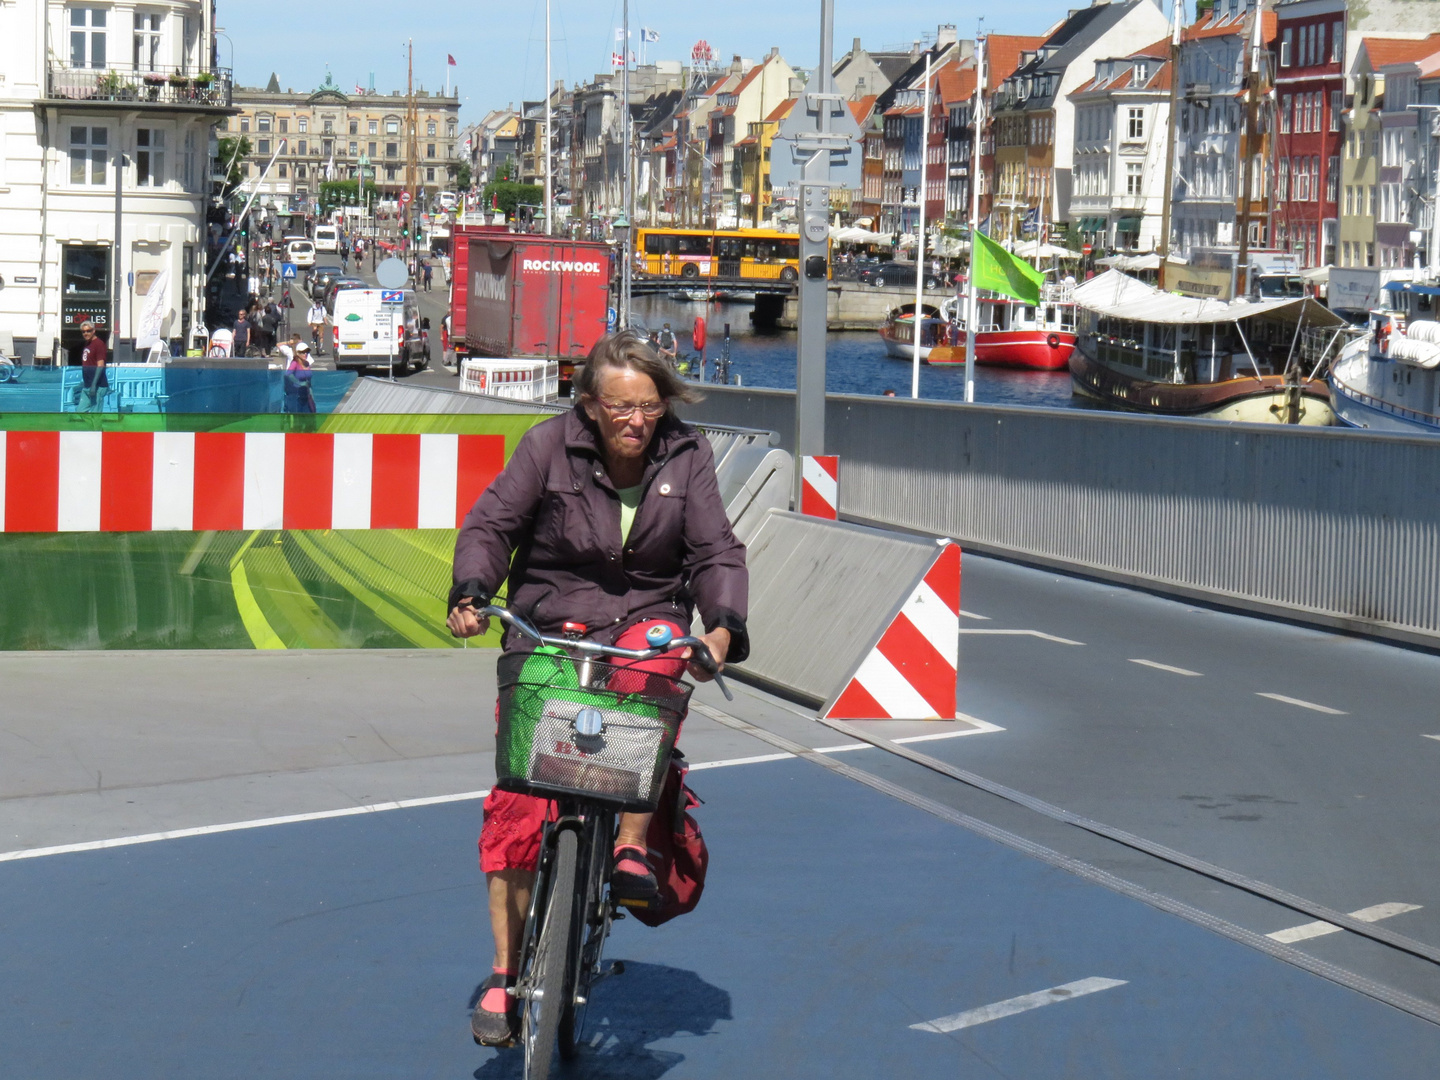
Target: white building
1121, 124
106, 115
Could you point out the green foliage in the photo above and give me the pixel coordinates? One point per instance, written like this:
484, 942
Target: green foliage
461, 172
336, 193
509, 195
507, 170
233, 151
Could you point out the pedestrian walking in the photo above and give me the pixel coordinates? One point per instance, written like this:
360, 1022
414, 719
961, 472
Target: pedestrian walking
241, 339
428, 271
299, 395
93, 380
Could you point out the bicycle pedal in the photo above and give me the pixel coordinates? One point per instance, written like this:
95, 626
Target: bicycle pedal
643, 905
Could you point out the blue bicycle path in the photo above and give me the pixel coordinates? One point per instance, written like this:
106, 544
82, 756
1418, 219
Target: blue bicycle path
834, 919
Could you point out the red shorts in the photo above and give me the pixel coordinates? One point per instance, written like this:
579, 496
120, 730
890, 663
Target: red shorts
510, 837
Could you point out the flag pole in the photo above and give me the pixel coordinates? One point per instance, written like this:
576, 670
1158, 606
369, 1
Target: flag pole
972, 308
919, 324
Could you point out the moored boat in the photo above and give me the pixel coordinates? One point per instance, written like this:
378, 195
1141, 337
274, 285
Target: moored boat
1389, 379
1143, 350
1015, 334
898, 331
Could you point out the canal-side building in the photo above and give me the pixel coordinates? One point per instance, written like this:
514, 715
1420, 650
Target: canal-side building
1397, 216
106, 143
323, 134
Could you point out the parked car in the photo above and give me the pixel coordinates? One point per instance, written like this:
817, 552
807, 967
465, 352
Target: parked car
895, 273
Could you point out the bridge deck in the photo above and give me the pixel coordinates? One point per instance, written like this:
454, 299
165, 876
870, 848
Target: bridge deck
836, 916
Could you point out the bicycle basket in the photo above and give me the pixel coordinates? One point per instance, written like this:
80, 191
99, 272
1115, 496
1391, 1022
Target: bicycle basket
548, 700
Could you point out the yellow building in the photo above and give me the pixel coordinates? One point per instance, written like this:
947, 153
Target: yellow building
1360, 161
754, 154
326, 132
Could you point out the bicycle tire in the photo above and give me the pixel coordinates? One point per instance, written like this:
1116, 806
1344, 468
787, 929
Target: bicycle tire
553, 957
590, 933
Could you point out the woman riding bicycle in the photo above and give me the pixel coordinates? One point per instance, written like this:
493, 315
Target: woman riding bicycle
608, 516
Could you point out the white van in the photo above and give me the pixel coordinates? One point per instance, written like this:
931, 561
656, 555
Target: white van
368, 333
301, 252
447, 200
327, 238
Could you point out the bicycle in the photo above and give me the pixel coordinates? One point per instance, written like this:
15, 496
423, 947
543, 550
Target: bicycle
597, 738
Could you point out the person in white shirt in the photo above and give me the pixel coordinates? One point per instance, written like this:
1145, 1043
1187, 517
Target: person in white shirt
316, 318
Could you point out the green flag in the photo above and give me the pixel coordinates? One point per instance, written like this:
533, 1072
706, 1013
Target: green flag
996, 269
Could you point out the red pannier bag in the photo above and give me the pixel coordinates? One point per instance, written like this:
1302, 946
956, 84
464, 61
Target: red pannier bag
677, 850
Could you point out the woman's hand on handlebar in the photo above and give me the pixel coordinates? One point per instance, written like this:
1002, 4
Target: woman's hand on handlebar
465, 621
718, 641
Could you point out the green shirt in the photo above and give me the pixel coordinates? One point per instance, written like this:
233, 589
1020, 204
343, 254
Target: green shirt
629, 503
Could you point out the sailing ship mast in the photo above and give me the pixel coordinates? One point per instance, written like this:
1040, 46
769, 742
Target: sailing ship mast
1247, 147
972, 310
548, 94
920, 232
627, 187
1168, 186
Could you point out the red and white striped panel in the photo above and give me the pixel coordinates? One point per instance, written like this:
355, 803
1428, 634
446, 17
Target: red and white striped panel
910, 674
91, 481
820, 487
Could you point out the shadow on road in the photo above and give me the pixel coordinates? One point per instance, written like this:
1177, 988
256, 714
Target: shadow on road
647, 1004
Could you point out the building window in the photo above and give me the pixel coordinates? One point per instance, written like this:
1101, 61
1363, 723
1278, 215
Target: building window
354, 148
371, 149
1286, 43
1337, 42
87, 37
392, 127
89, 149
327, 147
390, 172
1335, 108
1136, 124
1369, 253
430, 128
392, 149
284, 126
430, 150
1332, 181
373, 127
304, 123
1282, 180
262, 146
150, 157
1372, 213
300, 172
354, 127
430, 175
329, 127
300, 147
450, 130
262, 123
1134, 172
244, 123
147, 41
282, 170
187, 162
1285, 114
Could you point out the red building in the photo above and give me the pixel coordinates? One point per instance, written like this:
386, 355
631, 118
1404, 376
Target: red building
1309, 55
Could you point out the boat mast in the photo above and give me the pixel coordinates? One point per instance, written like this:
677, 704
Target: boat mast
1247, 144
972, 310
919, 322
548, 94
1168, 187
626, 186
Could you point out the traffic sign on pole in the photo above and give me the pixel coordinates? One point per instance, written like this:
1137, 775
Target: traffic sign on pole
287, 270
404, 198
392, 296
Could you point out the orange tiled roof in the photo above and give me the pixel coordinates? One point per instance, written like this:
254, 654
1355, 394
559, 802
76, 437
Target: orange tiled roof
1386, 51
1160, 48
781, 111
1207, 28
1003, 55
955, 83
861, 108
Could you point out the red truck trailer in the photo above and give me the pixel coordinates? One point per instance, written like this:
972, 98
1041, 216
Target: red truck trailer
460, 237
531, 296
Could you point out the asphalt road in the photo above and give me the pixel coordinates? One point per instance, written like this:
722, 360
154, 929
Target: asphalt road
348, 937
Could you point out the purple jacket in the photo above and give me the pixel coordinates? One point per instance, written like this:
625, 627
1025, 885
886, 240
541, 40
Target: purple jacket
550, 523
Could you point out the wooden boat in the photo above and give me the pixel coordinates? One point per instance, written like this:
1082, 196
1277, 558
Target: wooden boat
1011, 333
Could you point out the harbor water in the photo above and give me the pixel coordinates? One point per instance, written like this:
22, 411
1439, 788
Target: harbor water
856, 362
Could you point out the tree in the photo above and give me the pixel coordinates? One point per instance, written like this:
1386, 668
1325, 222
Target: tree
461, 173
232, 152
335, 193
508, 195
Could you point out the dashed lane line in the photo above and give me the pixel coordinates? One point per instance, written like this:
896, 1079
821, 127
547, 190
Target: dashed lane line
971, 615
1165, 667
1303, 704
982, 728
1024, 633
1307, 931
1011, 1006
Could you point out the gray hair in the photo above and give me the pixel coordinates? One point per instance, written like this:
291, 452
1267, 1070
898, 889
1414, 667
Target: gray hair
87, 325
631, 350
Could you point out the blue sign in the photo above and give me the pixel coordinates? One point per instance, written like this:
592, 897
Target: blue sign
611, 318
287, 270
392, 296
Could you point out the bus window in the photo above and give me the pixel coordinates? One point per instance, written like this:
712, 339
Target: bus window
788, 249
661, 244
693, 245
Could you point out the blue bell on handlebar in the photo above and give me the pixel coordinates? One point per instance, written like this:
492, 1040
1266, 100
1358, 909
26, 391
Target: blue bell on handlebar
659, 635
589, 722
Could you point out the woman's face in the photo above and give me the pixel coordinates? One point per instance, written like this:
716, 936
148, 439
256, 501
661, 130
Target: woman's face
625, 430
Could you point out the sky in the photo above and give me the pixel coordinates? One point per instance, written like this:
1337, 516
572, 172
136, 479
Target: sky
499, 49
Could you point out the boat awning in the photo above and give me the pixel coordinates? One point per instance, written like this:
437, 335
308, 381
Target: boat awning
1129, 224
1123, 297
1413, 287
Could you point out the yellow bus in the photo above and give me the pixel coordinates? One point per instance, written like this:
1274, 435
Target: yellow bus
727, 254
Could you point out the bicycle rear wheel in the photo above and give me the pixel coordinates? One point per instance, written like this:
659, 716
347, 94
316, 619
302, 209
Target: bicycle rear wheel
591, 930
550, 968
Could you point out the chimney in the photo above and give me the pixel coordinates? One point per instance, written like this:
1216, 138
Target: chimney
945, 35
855, 49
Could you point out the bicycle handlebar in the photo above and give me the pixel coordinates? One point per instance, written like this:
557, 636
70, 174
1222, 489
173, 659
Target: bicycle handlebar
699, 651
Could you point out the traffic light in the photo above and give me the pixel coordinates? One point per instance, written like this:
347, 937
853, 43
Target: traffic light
404, 231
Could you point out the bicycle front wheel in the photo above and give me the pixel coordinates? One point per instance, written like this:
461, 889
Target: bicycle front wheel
550, 968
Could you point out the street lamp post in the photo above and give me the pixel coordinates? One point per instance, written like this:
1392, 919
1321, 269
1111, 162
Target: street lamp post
621, 228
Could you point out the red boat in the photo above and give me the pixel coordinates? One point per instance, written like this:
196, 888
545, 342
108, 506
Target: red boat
1012, 333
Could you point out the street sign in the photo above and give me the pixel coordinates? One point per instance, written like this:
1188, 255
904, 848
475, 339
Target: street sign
404, 198
392, 296
287, 270
818, 123
391, 274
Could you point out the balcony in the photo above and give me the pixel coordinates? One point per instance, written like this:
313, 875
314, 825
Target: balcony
175, 89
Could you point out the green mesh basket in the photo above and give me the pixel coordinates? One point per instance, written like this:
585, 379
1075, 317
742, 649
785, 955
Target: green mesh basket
588, 728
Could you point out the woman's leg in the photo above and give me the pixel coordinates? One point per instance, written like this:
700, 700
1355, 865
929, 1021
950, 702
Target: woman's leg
509, 904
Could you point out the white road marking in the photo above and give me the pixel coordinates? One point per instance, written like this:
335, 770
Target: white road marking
1025, 633
1320, 929
1165, 667
429, 800
971, 615
1010, 1007
1435, 737
1303, 704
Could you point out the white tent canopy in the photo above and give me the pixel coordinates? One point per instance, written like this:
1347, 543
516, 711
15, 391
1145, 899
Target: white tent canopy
853, 235
1132, 262
1033, 249
1123, 297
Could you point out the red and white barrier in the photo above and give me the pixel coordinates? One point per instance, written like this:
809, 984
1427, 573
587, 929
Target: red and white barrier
91, 481
820, 487
910, 672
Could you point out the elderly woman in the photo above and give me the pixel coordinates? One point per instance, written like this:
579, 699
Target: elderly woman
608, 516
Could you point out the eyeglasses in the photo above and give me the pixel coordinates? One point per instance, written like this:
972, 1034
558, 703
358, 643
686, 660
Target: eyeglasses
651, 410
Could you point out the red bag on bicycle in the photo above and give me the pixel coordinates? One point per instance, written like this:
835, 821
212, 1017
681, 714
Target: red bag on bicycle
677, 850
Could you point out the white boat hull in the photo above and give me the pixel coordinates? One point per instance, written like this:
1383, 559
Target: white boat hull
1383, 395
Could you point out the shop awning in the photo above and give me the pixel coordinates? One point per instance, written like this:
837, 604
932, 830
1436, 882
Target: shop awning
1128, 224
1092, 224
